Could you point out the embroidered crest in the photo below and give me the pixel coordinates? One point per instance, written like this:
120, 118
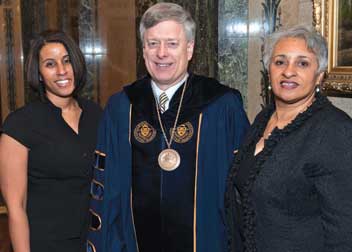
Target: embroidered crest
183, 132
144, 132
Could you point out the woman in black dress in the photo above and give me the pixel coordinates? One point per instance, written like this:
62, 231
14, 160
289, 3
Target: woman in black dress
46, 151
290, 185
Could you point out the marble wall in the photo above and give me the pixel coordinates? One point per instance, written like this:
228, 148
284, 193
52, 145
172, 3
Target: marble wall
89, 42
233, 45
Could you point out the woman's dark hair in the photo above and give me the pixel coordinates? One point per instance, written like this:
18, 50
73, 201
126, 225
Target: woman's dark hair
76, 57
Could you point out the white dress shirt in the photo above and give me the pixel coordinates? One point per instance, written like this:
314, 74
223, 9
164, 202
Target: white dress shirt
169, 92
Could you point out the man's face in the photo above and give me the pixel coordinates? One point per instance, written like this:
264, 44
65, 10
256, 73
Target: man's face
166, 53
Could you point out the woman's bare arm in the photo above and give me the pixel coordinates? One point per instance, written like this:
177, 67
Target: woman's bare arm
13, 185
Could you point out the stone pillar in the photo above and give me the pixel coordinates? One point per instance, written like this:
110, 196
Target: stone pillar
233, 45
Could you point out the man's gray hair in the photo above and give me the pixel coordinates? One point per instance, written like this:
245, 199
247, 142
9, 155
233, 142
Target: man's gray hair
164, 12
314, 41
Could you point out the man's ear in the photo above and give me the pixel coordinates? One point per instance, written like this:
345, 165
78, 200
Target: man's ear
190, 49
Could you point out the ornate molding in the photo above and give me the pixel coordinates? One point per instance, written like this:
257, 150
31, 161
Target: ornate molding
317, 15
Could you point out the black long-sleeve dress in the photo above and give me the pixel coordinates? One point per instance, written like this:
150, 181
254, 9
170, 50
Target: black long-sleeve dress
59, 172
296, 194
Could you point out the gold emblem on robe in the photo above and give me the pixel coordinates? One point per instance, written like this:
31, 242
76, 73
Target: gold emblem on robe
183, 132
144, 132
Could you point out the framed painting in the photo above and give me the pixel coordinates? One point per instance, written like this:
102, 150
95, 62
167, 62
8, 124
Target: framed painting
333, 19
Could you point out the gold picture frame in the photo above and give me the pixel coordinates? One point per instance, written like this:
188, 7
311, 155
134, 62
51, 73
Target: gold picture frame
334, 21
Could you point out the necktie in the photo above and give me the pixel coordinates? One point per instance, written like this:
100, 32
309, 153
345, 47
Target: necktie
162, 102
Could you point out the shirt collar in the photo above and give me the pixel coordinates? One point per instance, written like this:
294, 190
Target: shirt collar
169, 92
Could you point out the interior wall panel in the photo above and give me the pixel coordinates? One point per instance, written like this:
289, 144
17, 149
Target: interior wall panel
11, 58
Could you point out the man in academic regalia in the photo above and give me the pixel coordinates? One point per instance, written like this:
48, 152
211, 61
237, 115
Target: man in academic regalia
164, 148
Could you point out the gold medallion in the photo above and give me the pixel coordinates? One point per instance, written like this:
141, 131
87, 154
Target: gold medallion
144, 132
169, 159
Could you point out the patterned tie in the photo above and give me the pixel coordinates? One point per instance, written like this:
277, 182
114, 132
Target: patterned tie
162, 101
